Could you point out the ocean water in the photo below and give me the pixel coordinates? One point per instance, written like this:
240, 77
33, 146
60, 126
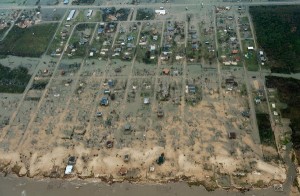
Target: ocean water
15, 186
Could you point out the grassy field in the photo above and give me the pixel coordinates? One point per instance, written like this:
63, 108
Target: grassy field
56, 42
250, 56
2, 32
244, 19
13, 80
251, 61
145, 14
265, 131
96, 16
30, 42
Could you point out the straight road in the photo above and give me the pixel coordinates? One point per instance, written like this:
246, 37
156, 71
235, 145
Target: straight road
26, 134
32, 78
77, 77
248, 86
11, 26
153, 5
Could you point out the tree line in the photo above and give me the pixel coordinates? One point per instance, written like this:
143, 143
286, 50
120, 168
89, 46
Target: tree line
278, 34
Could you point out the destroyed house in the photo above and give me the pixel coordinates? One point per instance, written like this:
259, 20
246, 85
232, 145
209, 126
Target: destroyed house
229, 81
100, 30
232, 135
195, 46
111, 83
127, 129
246, 114
191, 89
104, 101
160, 113
234, 52
72, 160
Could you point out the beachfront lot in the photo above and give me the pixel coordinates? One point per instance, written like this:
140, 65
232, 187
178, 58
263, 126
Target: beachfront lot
101, 107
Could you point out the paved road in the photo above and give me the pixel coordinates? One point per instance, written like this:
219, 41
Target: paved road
292, 2
157, 68
248, 86
128, 86
26, 134
77, 77
291, 172
11, 26
217, 46
32, 78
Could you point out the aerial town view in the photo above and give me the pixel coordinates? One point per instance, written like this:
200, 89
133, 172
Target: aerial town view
205, 92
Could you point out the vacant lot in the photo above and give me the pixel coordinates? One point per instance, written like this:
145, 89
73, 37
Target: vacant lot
145, 14
265, 130
278, 33
31, 42
13, 80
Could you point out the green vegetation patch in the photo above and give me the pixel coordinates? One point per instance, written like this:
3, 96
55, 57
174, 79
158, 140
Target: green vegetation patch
13, 80
145, 14
278, 33
250, 56
111, 12
31, 42
288, 92
39, 84
251, 61
74, 2
265, 130
2, 31
192, 53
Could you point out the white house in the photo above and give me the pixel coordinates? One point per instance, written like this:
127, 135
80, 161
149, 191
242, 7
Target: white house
71, 15
160, 12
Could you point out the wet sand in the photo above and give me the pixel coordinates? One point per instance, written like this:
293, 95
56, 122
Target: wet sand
14, 186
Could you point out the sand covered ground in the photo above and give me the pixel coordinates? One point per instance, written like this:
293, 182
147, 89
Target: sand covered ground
196, 149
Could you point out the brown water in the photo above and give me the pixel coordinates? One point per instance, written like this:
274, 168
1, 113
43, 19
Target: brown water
14, 186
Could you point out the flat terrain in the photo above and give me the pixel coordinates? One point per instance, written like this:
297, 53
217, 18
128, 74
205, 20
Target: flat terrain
169, 99
28, 42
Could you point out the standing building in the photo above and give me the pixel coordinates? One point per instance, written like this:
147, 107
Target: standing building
71, 15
